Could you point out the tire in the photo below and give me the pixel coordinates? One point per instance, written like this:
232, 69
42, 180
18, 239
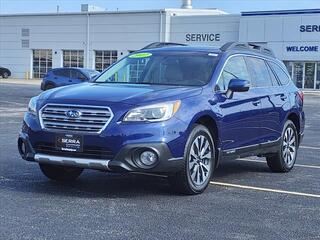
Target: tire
60, 173
285, 158
5, 75
49, 86
198, 166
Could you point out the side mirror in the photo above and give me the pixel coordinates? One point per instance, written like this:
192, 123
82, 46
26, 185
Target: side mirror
83, 78
237, 85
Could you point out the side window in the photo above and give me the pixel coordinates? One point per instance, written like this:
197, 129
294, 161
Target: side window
282, 76
259, 72
274, 80
77, 75
62, 72
235, 68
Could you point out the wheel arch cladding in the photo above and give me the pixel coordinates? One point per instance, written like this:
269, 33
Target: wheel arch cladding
211, 124
295, 119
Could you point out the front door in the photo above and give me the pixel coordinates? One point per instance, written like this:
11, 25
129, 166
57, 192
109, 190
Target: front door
241, 114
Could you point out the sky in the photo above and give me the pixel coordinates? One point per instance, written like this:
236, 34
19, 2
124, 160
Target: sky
230, 6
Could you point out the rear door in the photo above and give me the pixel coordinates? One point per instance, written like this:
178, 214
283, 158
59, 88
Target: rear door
61, 76
241, 114
280, 97
269, 92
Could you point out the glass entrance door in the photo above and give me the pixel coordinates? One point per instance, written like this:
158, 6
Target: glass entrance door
318, 76
309, 75
297, 75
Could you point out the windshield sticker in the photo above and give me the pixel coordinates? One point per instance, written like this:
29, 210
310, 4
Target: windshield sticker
140, 55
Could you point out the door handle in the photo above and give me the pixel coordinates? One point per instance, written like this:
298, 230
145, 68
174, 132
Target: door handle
256, 103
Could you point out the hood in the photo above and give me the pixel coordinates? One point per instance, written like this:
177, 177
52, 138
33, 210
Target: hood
134, 94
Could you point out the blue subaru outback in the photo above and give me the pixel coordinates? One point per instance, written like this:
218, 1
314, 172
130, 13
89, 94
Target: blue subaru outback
176, 111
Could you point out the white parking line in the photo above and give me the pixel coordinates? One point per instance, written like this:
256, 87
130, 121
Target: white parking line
308, 147
10, 122
262, 161
264, 189
15, 103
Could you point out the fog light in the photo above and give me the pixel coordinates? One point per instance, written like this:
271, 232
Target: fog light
148, 158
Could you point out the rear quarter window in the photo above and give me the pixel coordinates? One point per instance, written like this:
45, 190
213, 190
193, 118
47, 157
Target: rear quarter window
280, 73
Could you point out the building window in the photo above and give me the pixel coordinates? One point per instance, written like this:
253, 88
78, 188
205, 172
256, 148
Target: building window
42, 62
309, 75
73, 58
104, 59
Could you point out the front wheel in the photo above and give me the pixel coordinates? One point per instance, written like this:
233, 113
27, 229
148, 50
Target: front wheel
285, 158
48, 86
60, 173
199, 163
5, 75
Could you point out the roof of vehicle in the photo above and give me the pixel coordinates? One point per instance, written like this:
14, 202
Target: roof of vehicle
231, 48
182, 49
77, 68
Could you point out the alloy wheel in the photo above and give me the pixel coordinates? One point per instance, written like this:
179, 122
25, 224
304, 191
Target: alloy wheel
289, 146
200, 160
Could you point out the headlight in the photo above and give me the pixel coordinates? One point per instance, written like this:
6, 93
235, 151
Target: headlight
153, 113
32, 107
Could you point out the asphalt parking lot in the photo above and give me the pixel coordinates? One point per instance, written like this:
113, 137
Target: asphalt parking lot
244, 200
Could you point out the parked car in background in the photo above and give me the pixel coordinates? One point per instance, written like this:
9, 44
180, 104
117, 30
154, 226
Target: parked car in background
5, 72
66, 76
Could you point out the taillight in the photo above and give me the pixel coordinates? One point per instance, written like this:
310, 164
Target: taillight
300, 93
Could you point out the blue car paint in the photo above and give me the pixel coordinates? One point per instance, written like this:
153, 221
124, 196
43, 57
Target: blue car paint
239, 122
58, 81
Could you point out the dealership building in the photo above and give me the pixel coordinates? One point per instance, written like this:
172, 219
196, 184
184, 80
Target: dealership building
32, 44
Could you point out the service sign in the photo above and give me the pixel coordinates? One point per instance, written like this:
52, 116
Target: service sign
202, 37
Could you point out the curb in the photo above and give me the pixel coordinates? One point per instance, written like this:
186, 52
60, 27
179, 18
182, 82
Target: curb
21, 81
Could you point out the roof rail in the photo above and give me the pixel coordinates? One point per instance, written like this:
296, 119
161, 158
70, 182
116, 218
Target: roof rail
162, 44
248, 46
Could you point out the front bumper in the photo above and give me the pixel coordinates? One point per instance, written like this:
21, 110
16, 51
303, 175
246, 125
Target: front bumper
124, 160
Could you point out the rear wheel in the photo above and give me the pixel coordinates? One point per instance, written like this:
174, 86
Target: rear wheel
5, 74
60, 173
199, 162
285, 158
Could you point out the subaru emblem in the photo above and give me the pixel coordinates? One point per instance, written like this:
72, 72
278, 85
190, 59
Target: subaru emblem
73, 114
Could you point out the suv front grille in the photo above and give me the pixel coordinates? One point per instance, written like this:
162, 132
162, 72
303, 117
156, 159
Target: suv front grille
89, 119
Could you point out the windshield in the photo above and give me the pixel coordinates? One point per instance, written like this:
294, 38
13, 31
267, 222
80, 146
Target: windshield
183, 69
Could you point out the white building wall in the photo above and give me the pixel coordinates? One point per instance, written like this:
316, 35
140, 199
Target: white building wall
120, 31
282, 31
226, 27
45, 32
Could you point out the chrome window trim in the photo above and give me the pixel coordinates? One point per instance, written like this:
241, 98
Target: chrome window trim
74, 105
248, 55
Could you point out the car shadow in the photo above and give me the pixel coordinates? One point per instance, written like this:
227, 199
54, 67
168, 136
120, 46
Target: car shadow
235, 167
93, 184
